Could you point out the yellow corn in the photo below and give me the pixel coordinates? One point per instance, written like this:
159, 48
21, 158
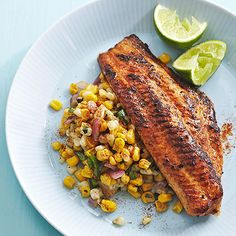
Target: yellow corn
130, 136
121, 166
165, 58
74, 89
118, 157
70, 151
105, 85
125, 178
128, 162
69, 182
90, 152
56, 105
90, 142
160, 206
147, 186
144, 164
87, 172
159, 177
65, 155
132, 188
72, 161
165, 197
91, 97
103, 126
136, 154
107, 180
134, 194
118, 144
103, 154
93, 88
108, 205
148, 197
79, 176
138, 181
84, 190
177, 208
108, 104
112, 160
85, 114
120, 135
125, 154
56, 146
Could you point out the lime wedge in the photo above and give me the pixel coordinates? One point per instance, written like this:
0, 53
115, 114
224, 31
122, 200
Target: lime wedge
199, 63
181, 34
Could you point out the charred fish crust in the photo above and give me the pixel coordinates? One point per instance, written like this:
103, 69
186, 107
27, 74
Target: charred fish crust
133, 76
123, 57
175, 121
109, 72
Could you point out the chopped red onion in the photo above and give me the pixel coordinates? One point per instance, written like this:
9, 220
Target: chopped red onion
96, 129
73, 100
92, 202
69, 120
116, 174
110, 166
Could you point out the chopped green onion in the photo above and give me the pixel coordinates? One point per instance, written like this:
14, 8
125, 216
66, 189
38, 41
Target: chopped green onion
71, 110
93, 163
90, 163
81, 156
122, 116
132, 175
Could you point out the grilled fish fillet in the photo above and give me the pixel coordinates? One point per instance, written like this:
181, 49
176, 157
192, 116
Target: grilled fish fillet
176, 123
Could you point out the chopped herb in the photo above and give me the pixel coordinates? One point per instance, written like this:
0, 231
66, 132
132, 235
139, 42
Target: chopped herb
81, 156
93, 183
71, 110
93, 163
122, 116
132, 175
90, 163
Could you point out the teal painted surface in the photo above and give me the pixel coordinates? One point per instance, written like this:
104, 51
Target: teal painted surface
21, 23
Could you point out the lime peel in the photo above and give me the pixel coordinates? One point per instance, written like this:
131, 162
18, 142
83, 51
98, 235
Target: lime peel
179, 33
200, 62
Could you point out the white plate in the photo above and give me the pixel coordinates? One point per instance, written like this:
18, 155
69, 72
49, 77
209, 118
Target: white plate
68, 53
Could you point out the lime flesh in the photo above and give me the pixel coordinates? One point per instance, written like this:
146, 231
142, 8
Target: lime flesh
180, 34
199, 63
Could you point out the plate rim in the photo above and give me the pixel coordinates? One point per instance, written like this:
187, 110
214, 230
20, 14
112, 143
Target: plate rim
32, 47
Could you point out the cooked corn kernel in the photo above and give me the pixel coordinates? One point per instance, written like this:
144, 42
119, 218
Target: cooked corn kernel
159, 177
79, 176
107, 180
69, 182
72, 161
146, 220
130, 136
134, 194
112, 160
138, 181
65, 155
119, 221
125, 178
84, 189
132, 188
103, 126
147, 186
105, 85
90, 97
121, 166
147, 197
165, 58
103, 154
118, 157
178, 207
118, 144
95, 193
93, 88
71, 169
74, 89
125, 154
108, 104
160, 206
90, 152
85, 114
87, 172
136, 154
144, 164
165, 197
56, 146
61, 159
70, 152
56, 105
108, 205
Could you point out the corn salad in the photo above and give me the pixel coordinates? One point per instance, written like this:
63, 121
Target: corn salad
103, 154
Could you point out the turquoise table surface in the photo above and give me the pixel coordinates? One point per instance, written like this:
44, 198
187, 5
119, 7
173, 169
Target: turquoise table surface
21, 23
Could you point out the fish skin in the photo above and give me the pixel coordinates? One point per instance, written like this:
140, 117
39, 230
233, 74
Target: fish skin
175, 121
